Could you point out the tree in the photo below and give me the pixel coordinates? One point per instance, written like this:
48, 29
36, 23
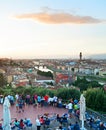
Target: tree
67, 94
47, 74
83, 84
94, 84
99, 100
3, 81
96, 99
104, 104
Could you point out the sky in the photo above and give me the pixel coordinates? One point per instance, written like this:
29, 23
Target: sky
52, 28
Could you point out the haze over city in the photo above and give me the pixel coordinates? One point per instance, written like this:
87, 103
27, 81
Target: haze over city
52, 28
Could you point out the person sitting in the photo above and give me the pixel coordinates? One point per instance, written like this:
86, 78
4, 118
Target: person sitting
42, 120
47, 122
28, 123
1, 128
77, 114
21, 125
91, 121
97, 120
16, 123
70, 127
76, 127
59, 128
64, 119
101, 126
25, 121
59, 119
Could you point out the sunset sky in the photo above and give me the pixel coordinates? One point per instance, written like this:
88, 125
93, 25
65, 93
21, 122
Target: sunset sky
52, 28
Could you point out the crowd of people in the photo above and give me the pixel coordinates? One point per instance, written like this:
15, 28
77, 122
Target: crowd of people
95, 122
72, 106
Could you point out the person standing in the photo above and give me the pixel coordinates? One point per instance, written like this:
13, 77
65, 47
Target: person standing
38, 124
17, 96
17, 106
70, 107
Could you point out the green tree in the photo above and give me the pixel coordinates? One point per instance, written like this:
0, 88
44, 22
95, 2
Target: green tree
104, 104
3, 81
47, 74
67, 94
96, 99
99, 100
83, 84
94, 84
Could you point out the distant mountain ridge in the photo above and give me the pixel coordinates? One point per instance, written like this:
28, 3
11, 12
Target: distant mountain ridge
98, 56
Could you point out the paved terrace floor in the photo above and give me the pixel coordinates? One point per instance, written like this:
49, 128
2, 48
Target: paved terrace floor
32, 112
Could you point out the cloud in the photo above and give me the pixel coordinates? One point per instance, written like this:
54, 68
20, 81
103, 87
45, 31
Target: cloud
49, 16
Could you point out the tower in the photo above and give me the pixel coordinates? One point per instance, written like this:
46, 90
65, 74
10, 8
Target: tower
80, 56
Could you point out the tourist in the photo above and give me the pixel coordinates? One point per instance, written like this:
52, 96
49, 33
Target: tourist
70, 107
42, 120
101, 126
42, 101
35, 103
50, 101
60, 128
11, 100
77, 114
59, 119
22, 125
1, 128
46, 100
70, 127
16, 123
28, 99
39, 100
91, 121
25, 121
76, 127
17, 96
38, 124
55, 101
21, 104
1, 99
97, 120
17, 105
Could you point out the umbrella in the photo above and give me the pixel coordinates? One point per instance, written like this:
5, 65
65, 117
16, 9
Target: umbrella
6, 115
82, 110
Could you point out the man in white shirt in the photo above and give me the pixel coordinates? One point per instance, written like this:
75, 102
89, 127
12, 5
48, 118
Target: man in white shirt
70, 107
17, 96
38, 124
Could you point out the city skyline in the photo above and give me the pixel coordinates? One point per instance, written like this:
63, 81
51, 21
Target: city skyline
52, 29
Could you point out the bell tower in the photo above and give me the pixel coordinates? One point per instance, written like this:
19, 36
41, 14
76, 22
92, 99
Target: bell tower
80, 56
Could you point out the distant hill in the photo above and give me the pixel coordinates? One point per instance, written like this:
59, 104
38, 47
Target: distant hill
98, 56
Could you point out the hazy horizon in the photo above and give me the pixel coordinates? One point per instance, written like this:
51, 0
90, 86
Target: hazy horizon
52, 29
97, 56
